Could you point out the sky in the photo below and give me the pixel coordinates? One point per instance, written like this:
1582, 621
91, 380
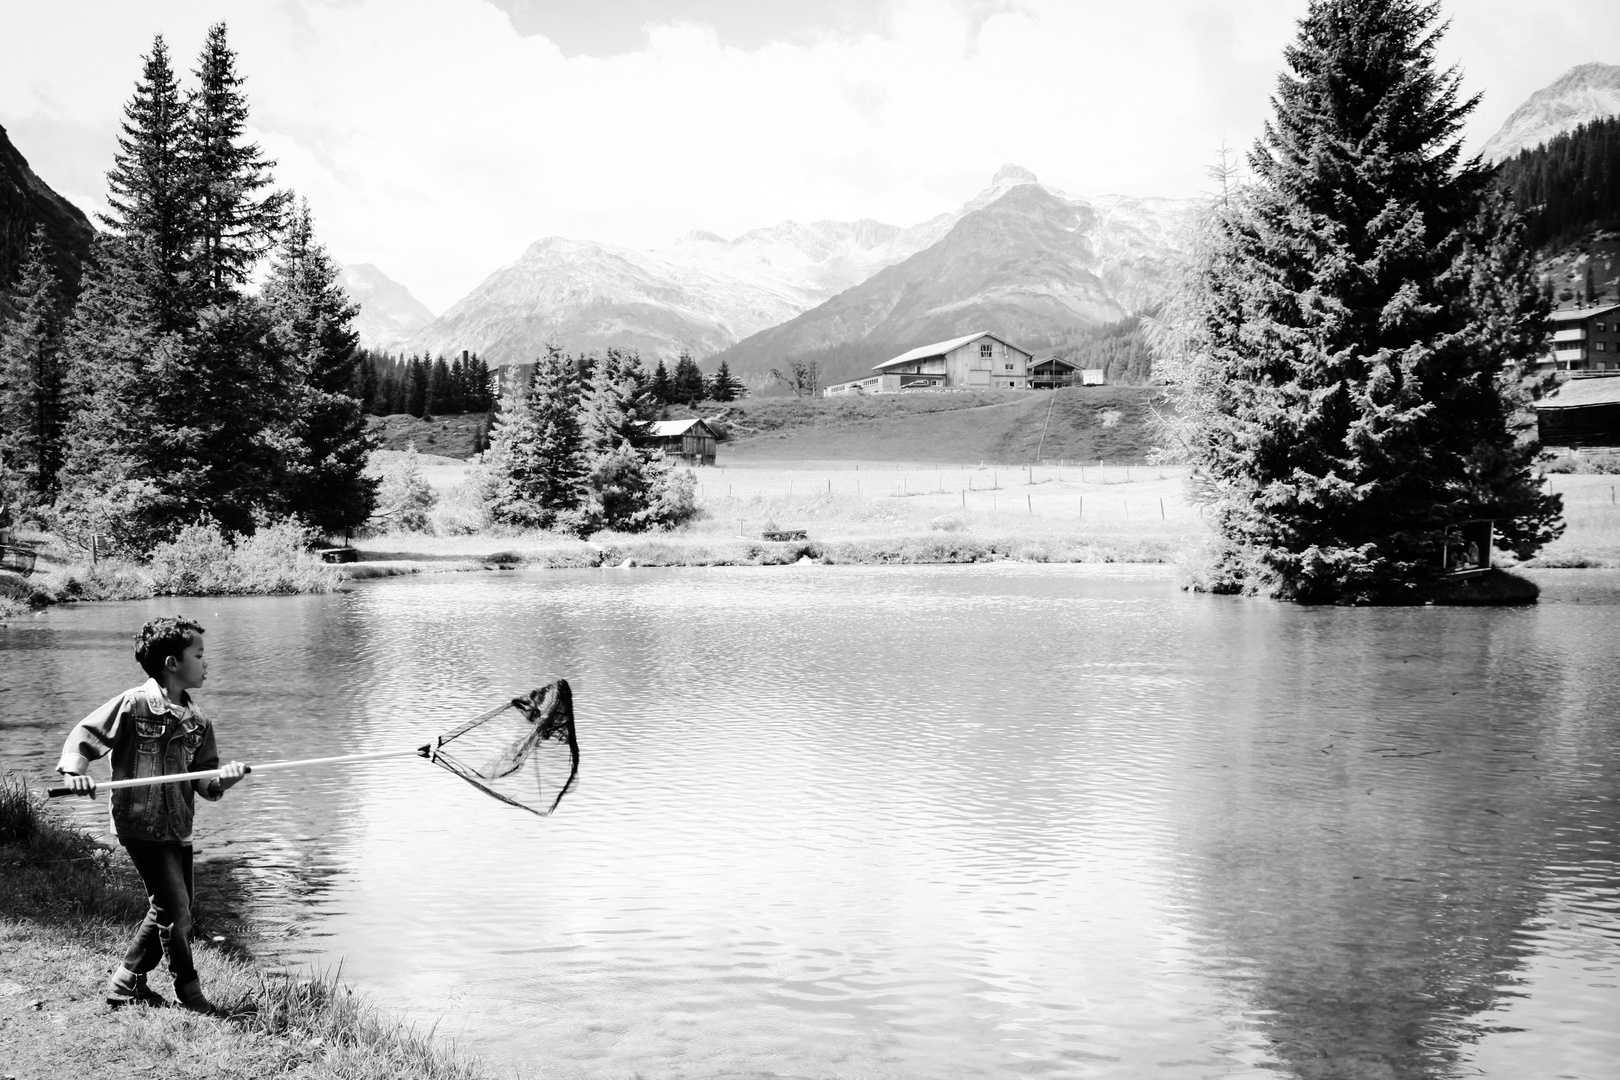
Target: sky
437, 139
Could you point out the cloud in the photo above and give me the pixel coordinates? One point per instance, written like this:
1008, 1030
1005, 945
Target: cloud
435, 140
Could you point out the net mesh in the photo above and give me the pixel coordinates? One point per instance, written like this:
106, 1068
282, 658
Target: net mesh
522, 752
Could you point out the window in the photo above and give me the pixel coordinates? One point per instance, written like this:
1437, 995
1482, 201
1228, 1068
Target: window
1601, 327
1006, 367
984, 349
1600, 346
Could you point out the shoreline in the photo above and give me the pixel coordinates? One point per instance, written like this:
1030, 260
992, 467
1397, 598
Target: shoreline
66, 915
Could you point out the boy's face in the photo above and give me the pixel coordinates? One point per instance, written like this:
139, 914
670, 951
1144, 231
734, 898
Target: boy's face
189, 668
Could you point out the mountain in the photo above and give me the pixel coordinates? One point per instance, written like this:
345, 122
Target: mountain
702, 294
389, 314
26, 202
1582, 94
1026, 262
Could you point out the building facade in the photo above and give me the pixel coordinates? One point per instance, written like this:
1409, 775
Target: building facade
974, 362
1586, 339
692, 440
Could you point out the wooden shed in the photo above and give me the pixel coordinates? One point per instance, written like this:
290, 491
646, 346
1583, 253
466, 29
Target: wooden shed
692, 440
1582, 412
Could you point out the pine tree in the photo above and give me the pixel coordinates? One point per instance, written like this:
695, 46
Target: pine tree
686, 387
1339, 356
314, 326
150, 190
416, 387
536, 460
441, 396
617, 410
722, 387
660, 388
32, 393
236, 220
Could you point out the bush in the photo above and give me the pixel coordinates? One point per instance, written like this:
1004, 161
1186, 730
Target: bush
404, 498
202, 561
629, 490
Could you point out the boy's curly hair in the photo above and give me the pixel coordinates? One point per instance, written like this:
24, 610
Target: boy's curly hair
162, 638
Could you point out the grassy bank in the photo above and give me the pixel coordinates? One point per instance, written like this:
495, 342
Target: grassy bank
66, 914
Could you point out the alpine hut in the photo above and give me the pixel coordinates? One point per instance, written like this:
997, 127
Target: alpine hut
691, 440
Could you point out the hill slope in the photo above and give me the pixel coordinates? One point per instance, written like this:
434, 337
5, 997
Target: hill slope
389, 314
1008, 428
26, 202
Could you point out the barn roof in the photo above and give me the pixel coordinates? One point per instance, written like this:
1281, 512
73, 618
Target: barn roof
1058, 360
940, 348
1577, 314
668, 429
1579, 392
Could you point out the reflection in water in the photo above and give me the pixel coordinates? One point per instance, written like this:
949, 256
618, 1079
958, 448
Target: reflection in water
926, 822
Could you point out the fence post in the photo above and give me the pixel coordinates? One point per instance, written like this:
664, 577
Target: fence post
1161, 509
1030, 499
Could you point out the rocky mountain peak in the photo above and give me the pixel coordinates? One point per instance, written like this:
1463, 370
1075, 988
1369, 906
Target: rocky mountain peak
1013, 174
1582, 94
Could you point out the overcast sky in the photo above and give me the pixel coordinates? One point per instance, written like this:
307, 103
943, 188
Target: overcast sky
438, 138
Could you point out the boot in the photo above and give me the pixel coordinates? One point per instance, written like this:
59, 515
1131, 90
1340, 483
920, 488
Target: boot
190, 997
125, 987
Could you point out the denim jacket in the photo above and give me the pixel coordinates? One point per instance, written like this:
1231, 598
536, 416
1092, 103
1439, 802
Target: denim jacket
148, 735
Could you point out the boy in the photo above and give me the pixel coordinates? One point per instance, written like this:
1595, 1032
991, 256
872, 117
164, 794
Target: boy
155, 730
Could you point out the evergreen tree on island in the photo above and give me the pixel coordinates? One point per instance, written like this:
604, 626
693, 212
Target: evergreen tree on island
1340, 353
313, 326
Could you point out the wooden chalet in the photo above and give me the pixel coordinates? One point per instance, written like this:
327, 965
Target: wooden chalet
1053, 372
1582, 412
692, 440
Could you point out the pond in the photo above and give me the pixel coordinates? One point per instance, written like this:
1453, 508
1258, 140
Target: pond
934, 821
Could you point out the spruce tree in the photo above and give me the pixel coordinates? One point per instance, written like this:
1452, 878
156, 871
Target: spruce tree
313, 323
236, 218
1341, 351
687, 386
151, 192
617, 410
536, 456
32, 392
659, 387
723, 387
416, 387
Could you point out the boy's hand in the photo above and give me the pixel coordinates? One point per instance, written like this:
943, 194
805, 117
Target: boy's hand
79, 784
230, 774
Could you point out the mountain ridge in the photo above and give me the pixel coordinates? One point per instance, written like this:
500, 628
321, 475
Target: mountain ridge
1584, 93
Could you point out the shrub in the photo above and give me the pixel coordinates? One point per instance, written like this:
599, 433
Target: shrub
404, 497
629, 490
202, 561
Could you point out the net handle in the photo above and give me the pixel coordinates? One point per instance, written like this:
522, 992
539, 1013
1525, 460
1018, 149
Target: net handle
58, 791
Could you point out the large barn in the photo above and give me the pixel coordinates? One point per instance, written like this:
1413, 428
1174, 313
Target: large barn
976, 361
1582, 412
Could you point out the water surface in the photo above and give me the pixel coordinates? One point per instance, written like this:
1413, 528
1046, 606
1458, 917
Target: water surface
944, 821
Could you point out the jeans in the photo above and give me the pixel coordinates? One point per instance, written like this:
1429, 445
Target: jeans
165, 870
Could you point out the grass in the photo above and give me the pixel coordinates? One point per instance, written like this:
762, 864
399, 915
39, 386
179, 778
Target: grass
1105, 422
69, 907
858, 512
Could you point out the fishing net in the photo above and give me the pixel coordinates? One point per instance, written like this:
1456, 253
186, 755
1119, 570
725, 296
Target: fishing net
522, 752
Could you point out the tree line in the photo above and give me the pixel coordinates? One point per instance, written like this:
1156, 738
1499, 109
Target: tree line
165, 392
1569, 185
422, 386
